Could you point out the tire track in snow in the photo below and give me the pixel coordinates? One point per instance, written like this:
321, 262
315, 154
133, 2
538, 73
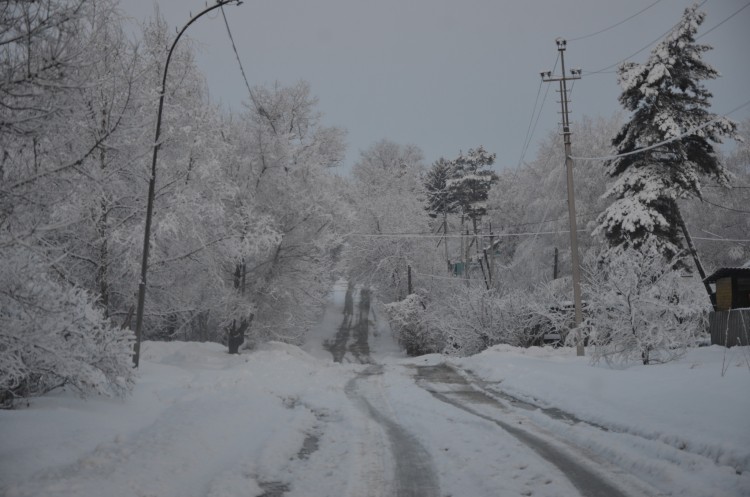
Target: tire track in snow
412, 468
414, 475
586, 480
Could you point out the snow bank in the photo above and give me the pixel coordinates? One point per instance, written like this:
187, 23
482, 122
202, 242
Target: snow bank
200, 422
698, 405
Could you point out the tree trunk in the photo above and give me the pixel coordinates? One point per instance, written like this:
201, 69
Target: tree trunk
691, 247
237, 334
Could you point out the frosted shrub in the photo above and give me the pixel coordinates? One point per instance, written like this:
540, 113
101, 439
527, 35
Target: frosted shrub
411, 326
470, 320
52, 335
640, 308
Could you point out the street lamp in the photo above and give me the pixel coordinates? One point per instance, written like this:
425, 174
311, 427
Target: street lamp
152, 183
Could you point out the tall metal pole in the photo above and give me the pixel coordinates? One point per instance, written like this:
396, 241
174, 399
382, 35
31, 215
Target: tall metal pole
152, 185
574, 74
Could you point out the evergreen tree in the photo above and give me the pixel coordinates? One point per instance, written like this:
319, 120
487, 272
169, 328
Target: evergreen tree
668, 102
436, 189
470, 181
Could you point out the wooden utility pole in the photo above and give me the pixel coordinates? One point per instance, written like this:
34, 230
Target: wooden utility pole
467, 249
491, 264
554, 272
548, 77
445, 240
408, 278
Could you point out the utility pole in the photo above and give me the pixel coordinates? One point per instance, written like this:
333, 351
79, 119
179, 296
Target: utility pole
467, 247
445, 240
554, 272
548, 77
491, 264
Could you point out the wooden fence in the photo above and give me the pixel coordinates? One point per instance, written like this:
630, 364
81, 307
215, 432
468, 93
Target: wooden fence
729, 328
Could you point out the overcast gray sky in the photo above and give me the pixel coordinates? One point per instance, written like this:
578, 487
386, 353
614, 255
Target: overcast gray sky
447, 75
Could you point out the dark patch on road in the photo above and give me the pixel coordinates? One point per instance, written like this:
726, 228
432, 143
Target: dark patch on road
273, 488
309, 445
337, 347
352, 330
360, 348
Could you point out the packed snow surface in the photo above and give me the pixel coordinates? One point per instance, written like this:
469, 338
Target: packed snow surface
287, 420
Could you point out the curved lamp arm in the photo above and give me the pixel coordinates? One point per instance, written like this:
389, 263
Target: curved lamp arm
152, 183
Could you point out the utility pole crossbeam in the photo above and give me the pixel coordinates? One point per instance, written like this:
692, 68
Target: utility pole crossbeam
547, 77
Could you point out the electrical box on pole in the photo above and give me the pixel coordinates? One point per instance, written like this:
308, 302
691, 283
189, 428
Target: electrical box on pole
563, 79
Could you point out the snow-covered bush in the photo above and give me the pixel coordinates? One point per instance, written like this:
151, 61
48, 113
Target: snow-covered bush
530, 315
470, 319
410, 322
53, 335
641, 308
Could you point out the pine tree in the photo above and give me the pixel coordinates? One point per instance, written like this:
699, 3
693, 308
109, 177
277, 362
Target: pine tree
470, 181
668, 102
438, 199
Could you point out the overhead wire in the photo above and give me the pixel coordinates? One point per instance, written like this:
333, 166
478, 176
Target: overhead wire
527, 138
428, 236
725, 20
664, 142
236, 54
614, 25
530, 130
604, 70
730, 240
725, 207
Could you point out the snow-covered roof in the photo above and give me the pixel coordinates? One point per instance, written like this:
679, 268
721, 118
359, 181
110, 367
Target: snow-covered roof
728, 271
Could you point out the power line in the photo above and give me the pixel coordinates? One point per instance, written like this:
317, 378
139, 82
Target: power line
725, 20
725, 207
614, 25
531, 130
451, 278
664, 142
527, 138
604, 69
237, 55
422, 235
730, 240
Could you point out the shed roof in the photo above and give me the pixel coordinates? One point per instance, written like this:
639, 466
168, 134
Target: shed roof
728, 272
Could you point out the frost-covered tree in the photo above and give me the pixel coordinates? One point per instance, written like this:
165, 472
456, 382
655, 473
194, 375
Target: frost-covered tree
640, 308
723, 213
390, 218
669, 103
288, 198
533, 199
60, 109
54, 335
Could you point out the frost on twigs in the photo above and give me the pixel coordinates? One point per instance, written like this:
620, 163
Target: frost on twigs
52, 335
640, 308
410, 322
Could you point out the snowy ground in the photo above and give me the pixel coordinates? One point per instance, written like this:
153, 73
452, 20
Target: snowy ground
290, 421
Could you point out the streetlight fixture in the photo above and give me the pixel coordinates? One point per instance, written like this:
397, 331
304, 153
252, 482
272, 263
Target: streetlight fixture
152, 183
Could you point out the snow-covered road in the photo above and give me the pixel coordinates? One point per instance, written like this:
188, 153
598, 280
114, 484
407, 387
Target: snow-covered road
558, 467
348, 414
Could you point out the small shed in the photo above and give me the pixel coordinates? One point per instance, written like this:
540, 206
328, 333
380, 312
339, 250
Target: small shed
729, 323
